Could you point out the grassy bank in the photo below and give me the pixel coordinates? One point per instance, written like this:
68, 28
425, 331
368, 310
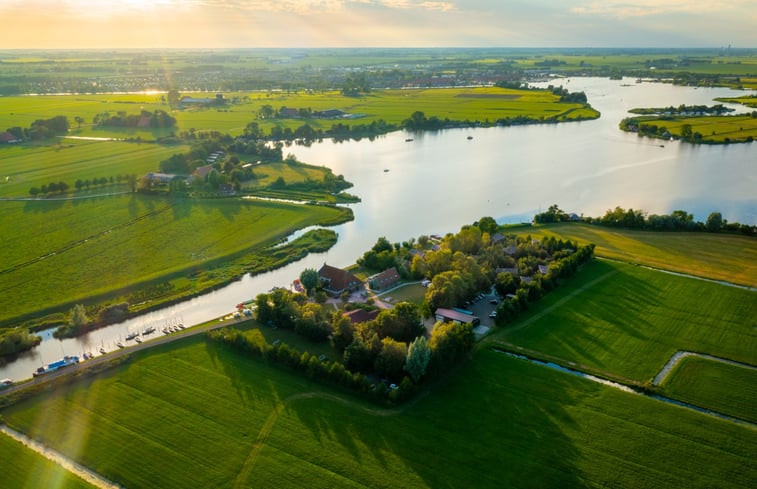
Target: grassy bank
224, 420
725, 257
132, 244
702, 129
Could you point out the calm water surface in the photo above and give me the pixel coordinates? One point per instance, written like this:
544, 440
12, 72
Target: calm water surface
443, 180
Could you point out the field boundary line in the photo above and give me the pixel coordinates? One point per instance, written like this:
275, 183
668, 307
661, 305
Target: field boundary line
554, 306
681, 274
681, 354
55, 456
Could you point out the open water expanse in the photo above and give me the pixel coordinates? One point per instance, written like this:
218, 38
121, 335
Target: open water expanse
442, 180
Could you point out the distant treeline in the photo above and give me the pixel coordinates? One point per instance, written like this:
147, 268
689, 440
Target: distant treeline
677, 220
41, 129
564, 94
62, 187
145, 119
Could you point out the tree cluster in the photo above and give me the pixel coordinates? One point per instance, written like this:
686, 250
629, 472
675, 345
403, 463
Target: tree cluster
153, 120
41, 129
678, 220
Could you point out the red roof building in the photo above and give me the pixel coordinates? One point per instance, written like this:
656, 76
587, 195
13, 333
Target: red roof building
335, 280
361, 315
385, 279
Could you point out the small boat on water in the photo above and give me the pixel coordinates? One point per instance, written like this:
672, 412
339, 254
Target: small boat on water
120, 344
52, 367
148, 330
131, 336
408, 140
470, 137
102, 350
138, 339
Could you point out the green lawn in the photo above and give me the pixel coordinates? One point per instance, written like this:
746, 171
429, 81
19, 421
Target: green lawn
725, 388
632, 322
195, 414
414, 293
98, 246
727, 257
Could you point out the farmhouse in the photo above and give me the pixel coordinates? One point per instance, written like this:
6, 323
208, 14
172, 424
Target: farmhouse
8, 138
385, 279
450, 315
358, 316
160, 177
335, 280
202, 171
289, 112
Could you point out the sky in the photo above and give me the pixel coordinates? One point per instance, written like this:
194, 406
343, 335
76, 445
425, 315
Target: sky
44, 24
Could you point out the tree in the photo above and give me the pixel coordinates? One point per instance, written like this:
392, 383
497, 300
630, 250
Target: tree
488, 225
449, 342
391, 359
78, 120
714, 222
418, 355
131, 178
309, 280
33, 191
173, 98
342, 331
686, 132
78, 317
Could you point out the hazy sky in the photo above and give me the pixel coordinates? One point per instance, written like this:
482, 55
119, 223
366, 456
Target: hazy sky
392, 23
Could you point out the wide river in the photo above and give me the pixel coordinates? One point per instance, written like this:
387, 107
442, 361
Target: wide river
443, 180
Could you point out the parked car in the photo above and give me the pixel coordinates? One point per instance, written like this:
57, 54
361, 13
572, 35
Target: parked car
493, 314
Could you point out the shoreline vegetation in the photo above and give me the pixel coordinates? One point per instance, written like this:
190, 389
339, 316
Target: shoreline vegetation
693, 124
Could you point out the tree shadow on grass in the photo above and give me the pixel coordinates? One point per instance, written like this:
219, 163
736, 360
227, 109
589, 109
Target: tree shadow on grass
495, 422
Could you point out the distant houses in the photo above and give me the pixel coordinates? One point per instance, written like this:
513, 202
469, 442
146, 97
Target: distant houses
195, 101
335, 280
8, 138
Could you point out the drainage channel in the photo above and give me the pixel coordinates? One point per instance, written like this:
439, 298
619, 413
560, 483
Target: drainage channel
626, 388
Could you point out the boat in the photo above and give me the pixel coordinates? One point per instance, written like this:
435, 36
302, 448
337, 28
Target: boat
120, 344
165, 330
470, 137
57, 365
386, 170
131, 336
102, 350
408, 140
148, 330
138, 339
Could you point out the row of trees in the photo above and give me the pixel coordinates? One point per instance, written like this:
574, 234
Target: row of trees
678, 220
146, 119
63, 187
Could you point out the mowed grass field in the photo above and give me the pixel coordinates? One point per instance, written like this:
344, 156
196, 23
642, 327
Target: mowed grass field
727, 257
717, 129
634, 319
195, 414
97, 246
393, 106
30, 166
726, 388
25, 469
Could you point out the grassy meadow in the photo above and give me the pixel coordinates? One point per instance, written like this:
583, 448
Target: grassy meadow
29, 470
725, 388
100, 246
30, 166
631, 322
393, 106
196, 414
727, 257
714, 129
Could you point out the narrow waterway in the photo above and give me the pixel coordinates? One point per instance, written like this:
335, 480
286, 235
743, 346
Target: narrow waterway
628, 389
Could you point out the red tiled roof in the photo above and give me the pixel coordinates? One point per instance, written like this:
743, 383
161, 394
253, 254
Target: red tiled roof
335, 279
385, 278
361, 315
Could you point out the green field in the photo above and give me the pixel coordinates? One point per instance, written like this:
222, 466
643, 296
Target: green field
632, 321
25, 469
100, 246
713, 129
722, 387
748, 100
393, 106
29, 166
196, 414
727, 257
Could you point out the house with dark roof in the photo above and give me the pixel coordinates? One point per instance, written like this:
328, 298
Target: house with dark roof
358, 316
450, 315
335, 280
8, 138
385, 279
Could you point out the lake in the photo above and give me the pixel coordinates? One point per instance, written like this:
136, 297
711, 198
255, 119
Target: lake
443, 180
